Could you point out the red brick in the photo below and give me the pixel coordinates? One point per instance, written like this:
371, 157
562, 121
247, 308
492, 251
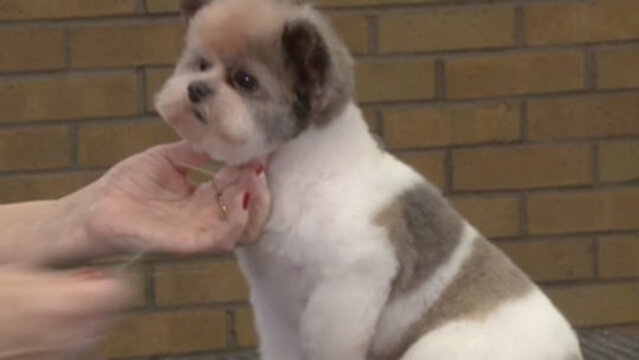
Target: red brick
39, 187
548, 72
445, 126
245, 328
59, 9
345, 3
35, 149
354, 31
430, 165
395, 80
617, 68
619, 256
521, 168
105, 145
199, 283
593, 305
130, 45
178, 332
582, 22
494, 217
162, 6
448, 30
31, 49
68, 98
550, 260
583, 117
592, 211
619, 161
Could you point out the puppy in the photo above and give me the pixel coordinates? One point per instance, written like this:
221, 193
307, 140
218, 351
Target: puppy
362, 258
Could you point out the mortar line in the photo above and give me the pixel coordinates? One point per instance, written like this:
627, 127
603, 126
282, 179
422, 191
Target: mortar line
589, 69
372, 23
440, 80
520, 27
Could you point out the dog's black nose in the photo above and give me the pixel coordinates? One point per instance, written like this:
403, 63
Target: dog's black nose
199, 91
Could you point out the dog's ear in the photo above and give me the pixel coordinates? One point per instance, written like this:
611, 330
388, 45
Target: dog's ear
307, 55
191, 7
321, 66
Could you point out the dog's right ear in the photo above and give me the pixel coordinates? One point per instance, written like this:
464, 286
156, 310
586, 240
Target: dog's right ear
321, 65
191, 7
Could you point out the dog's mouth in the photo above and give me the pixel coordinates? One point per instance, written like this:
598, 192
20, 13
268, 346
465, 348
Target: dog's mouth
199, 115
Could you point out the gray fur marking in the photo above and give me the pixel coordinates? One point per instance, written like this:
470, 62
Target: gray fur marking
425, 230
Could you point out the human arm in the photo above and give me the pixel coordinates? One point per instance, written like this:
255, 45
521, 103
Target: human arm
144, 203
56, 315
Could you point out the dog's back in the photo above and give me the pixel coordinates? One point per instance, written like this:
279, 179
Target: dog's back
456, 296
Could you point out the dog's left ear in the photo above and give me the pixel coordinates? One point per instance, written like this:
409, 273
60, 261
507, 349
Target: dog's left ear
322, 68
191, 7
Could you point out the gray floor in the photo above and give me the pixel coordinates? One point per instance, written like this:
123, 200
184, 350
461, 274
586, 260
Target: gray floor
607, 346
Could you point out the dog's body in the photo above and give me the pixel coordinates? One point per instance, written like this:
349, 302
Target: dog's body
338, 274
362, 258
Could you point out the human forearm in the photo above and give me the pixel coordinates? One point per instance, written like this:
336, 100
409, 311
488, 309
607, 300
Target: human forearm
47, 232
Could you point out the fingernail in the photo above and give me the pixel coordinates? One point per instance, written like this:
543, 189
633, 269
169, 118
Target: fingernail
89, 274
246, 201
260, 170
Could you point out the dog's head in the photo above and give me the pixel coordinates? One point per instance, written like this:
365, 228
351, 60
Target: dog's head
254, 74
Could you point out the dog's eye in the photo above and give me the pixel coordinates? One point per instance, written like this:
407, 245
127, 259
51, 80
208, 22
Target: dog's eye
203, 64
245, 81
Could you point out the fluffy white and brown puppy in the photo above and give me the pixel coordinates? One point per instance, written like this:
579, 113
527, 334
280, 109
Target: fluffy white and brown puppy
362, 258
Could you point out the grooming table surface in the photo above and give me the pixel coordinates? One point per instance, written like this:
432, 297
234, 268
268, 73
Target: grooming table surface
609, 346
595, 346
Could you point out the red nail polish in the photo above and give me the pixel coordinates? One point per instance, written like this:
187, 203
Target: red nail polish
260, 170
246, 201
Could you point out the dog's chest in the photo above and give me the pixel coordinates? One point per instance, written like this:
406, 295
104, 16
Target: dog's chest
317, 229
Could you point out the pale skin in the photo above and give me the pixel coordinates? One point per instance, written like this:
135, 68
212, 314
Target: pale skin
145, 203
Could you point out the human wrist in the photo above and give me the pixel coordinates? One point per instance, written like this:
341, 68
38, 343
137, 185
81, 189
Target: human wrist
82, 229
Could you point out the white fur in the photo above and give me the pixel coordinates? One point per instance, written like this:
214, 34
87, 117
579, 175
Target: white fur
230, 134
524, 329
401, 314
321, 261
321, 275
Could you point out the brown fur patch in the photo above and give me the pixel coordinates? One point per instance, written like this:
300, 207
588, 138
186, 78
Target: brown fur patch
487, 280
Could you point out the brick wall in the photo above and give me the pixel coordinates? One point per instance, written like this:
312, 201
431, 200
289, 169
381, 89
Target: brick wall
525, 113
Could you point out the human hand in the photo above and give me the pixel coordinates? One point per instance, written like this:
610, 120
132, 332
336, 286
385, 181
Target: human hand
56, 316
147, 203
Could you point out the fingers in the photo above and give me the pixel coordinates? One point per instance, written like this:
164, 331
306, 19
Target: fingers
226, 177
214, 221
103, 292
216, 215
237, 200
230, 175
250, 182
180, 154
259, 210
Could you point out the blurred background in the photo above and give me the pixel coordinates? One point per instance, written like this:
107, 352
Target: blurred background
525, 113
